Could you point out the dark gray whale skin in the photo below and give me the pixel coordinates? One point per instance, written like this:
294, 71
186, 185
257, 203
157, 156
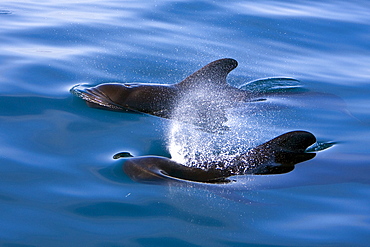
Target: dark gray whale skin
161, 99
276, 156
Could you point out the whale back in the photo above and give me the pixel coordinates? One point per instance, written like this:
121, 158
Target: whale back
276, 156
280, 154
155, 169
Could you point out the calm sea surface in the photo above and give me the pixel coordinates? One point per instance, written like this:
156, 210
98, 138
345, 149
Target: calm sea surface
60, 186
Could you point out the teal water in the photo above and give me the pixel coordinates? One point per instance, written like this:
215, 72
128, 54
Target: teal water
60, 185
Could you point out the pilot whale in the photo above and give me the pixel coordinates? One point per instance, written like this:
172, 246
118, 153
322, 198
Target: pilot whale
160, 99
206, 95
276, 156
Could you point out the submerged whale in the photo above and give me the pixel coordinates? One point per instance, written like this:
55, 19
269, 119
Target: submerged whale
276, 156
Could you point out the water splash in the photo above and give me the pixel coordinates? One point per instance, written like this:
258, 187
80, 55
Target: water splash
208, 128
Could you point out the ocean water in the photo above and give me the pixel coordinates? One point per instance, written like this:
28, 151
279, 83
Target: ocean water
60, 185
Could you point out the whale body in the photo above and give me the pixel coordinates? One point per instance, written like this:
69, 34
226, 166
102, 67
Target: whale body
161, 99
276, 156
206, 95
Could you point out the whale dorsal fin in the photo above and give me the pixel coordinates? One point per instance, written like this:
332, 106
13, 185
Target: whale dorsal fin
213, 74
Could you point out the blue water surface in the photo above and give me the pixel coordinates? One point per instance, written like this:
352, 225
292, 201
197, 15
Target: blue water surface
60, 186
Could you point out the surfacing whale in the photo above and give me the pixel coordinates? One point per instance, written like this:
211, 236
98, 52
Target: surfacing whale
276, 156
159, 100
205, 95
